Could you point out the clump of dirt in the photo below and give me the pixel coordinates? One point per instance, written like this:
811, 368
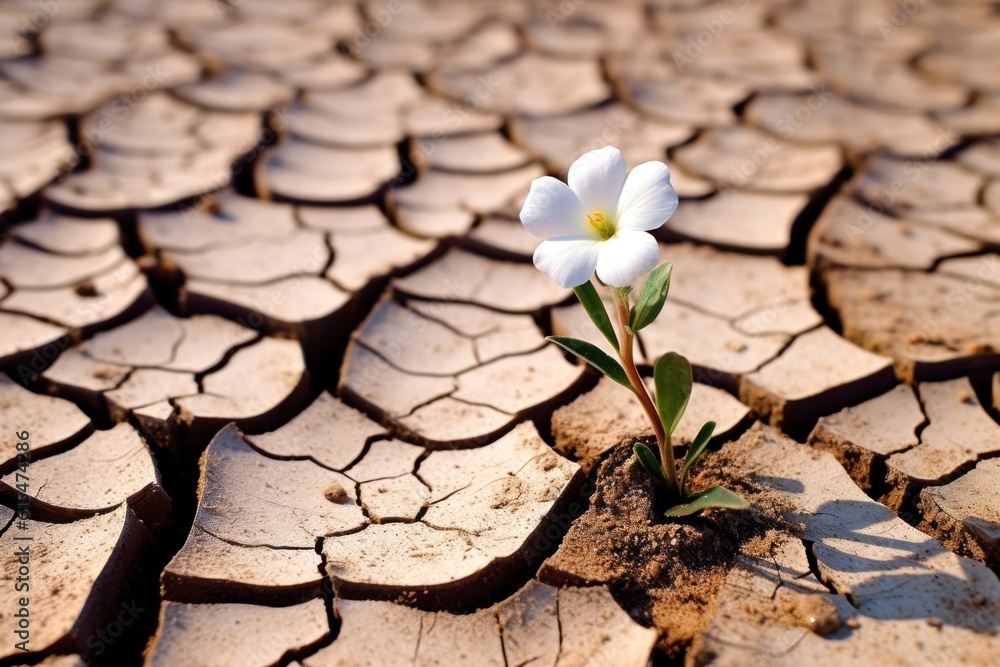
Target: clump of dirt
335, 493
664, 573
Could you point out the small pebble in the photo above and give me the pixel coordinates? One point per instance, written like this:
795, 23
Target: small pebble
819, 615
736, 346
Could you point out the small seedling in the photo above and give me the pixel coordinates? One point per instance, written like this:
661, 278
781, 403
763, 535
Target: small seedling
599, 224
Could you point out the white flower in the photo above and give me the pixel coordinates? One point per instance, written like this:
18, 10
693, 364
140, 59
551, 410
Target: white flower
599, 222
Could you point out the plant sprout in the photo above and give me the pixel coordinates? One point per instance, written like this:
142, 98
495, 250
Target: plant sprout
599, 223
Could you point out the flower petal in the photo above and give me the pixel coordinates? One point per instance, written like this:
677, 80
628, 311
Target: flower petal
626, 256
570, 261
648, 199
597, 178
552, 210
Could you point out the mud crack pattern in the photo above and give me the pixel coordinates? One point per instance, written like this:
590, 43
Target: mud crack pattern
269, 317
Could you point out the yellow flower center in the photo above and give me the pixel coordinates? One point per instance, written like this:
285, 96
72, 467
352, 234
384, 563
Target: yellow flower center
600, 223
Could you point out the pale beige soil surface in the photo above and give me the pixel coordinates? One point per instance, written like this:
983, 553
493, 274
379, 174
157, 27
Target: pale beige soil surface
271, 324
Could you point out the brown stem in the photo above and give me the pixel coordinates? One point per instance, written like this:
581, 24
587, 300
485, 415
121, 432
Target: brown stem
627, 356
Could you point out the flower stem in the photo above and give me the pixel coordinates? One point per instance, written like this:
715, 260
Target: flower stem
627, 356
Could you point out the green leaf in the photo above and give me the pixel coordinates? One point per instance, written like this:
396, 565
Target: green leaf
591, 300
650, 303
715, 497
646, 459
698, 448
672, 375
594, 356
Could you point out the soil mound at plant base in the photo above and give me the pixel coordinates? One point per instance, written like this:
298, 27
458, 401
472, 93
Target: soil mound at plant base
664, 574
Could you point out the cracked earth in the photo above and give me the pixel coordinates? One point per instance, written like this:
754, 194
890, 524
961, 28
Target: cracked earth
271, 322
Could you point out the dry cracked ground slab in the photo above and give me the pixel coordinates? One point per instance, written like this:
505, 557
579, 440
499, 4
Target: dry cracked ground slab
269, 321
